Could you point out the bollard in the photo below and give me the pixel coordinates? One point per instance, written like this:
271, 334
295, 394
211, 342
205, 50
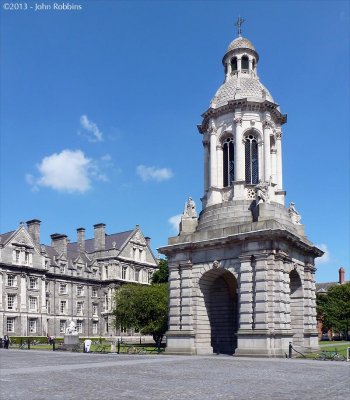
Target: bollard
290, 347
28, 344
118, 347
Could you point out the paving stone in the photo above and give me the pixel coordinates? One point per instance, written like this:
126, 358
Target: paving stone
39, 375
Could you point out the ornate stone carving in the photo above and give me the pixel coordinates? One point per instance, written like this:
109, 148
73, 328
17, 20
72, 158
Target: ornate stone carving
227, 194
190, 209
278, 134
71, 328
216, 264
267, 124
294, 215
262, 192
238, 121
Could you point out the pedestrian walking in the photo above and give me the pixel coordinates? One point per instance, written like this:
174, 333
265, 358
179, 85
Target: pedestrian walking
6, 341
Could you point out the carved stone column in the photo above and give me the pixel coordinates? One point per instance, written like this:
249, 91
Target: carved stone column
220, 174
279, 159
239, 150
260, 292
206, 165
267, 150
213, 158
180, 334
246, 293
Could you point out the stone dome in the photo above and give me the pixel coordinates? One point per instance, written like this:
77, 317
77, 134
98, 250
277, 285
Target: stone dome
241, 43
240, 88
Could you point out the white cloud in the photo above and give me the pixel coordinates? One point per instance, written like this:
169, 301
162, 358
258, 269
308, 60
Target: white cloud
153, 173
175, 221
326, 256
93, 133
69, 171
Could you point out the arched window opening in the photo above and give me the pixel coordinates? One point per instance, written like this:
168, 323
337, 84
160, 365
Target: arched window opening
228, 162
251, 160
234, 64
245, 62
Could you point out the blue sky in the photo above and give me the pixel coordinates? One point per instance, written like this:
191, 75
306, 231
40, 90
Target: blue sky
99, 110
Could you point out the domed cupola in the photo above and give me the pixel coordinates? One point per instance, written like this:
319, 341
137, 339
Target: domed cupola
241, 78
242, 133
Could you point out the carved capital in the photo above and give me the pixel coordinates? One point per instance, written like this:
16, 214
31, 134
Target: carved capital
43, 278
278, 134
212, 130
216, 264
267, 124
238, 121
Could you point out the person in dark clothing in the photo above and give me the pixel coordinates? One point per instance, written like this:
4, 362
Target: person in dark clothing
6, 341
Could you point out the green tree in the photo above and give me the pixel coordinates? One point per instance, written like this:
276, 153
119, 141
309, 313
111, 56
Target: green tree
144, 308
333, 308
162, 274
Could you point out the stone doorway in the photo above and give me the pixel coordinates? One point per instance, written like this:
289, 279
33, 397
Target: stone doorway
220, 323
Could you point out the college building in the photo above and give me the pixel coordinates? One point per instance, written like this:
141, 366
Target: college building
42, 287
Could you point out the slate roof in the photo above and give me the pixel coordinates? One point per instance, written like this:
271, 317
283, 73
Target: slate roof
323, 287
240, 43
5, 236
117, 238
244, 87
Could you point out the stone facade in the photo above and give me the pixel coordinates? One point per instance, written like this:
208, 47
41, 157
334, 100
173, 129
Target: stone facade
42, 287
242, 274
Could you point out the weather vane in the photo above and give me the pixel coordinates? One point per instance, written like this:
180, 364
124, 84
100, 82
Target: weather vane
239, 25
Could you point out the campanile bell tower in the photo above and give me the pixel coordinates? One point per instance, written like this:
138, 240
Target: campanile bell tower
242, 273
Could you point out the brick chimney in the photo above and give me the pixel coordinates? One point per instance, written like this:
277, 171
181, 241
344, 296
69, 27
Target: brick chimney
341, 275
59, 243
34, 230
81, 239
99, 237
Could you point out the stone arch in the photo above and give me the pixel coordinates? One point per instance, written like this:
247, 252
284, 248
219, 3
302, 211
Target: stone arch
296, 307
253, 131
217, 308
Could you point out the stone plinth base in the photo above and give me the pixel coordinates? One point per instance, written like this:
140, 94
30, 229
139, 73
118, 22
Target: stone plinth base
260, 343
70, 341
180, 342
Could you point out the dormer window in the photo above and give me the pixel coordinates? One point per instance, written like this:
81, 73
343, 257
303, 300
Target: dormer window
245, 62
234, 64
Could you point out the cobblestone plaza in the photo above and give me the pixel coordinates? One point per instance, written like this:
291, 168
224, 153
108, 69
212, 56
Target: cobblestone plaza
36, 375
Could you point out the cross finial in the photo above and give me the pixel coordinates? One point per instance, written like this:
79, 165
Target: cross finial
239, 25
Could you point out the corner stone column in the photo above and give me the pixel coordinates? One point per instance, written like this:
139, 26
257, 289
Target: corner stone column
267, 151
310, 322
279, 159
180, 336
206, 165
213, 158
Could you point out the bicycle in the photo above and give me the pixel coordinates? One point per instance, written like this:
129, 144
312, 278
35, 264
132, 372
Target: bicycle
131, 349
330, 356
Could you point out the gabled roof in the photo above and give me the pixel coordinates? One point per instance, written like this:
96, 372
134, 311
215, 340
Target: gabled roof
116, 238
323, 287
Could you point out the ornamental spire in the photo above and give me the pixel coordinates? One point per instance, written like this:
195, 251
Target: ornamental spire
239, 25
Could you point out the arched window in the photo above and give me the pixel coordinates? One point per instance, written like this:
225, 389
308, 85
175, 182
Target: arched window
228, 162
234, 64
245, 62
251, 160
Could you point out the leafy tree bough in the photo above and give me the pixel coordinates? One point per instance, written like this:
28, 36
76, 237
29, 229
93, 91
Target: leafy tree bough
144, 308
333, 308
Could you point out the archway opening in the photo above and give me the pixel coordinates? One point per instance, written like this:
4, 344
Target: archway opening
296, 308
219, 288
